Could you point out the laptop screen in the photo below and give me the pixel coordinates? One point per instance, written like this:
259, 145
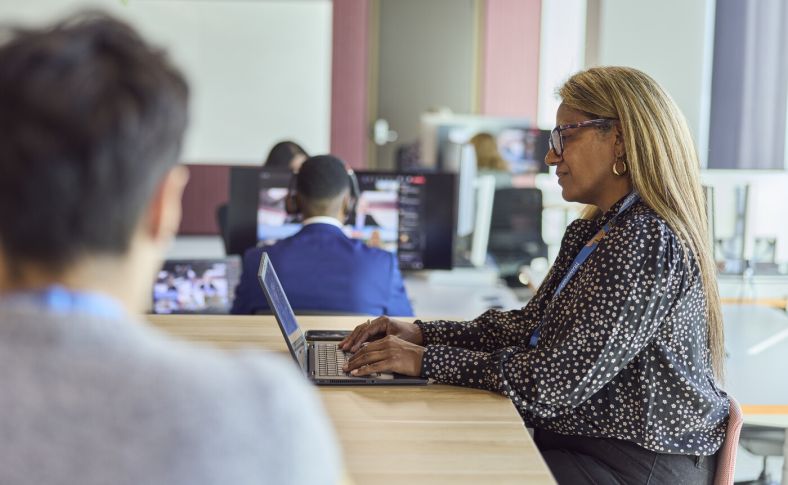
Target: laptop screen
277, 300
196, 285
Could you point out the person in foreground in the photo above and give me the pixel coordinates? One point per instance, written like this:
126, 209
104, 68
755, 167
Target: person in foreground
91, 122
322, 269
616, 359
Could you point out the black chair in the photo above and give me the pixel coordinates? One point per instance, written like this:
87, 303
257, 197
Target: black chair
516, 229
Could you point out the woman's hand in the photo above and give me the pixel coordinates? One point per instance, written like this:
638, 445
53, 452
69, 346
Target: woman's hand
389, 354
381, 327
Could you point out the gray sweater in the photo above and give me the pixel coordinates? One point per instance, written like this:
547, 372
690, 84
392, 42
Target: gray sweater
95, 401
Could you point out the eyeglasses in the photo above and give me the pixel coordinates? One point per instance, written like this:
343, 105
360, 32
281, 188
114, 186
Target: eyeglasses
557, 139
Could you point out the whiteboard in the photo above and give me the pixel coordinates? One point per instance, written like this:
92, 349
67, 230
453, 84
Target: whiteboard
259, 70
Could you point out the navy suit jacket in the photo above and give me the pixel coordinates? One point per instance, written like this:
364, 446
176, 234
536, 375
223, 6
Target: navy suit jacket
323, 270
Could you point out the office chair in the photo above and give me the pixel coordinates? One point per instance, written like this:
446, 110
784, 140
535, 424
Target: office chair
221, 222
726, 456
762, 441
516, 229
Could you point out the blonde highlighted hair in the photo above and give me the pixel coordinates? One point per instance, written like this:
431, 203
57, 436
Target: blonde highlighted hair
487, 155
663, 166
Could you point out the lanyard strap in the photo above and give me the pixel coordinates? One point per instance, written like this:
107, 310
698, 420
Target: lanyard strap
582, 256
58, 299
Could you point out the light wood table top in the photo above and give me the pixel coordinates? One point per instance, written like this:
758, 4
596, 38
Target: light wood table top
411, 434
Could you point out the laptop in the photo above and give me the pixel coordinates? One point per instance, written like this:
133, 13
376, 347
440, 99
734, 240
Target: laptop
317, 352
201, 286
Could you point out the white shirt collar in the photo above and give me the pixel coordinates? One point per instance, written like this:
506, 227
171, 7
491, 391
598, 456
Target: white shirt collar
323, 220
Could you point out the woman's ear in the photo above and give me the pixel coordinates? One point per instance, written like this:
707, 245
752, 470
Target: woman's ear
620, 147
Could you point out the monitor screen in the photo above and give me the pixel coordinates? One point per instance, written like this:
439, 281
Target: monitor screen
410, 214
273, 221
196, 286
520, 144
283, 312
375, 219
241, 231
524, 149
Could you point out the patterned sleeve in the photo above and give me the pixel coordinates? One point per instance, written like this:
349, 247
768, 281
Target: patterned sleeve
496, 329
491, 330
607, 314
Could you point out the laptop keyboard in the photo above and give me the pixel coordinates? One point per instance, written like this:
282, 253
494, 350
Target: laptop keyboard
330, 360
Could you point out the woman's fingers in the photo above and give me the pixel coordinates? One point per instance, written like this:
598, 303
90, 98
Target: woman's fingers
390, 354
359, 335
366, 358
380, 366
363, 333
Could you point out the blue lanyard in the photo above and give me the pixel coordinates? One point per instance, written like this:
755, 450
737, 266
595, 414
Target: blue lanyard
58, 299
582, 256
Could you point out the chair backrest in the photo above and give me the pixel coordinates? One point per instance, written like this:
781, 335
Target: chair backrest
516, 227
726, 456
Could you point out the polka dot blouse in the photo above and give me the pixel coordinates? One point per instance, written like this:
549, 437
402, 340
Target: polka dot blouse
623, 350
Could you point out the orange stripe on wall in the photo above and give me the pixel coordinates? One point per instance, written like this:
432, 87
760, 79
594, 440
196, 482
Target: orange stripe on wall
764, 409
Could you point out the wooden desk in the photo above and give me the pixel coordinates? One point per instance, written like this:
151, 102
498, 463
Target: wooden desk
424, 434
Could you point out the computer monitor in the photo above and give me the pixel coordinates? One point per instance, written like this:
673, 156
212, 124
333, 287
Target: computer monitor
466, 193
241, 232
524, 149
474, 210
521, 144
485, 196
412, 214
375, 218
273, 221
196, 285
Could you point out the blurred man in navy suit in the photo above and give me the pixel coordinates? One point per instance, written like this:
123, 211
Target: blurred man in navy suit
321, 269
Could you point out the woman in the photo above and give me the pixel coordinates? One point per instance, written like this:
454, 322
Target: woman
487, 155
615, 360
286, 156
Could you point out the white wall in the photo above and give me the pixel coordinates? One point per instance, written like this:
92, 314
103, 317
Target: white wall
562, 42
260, 71
670, 41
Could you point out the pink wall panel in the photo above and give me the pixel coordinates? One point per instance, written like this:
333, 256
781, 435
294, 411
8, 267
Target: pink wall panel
208, 187
349, 81
510, 62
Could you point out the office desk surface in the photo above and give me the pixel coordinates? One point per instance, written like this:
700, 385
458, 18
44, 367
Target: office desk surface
423, 434
756, 341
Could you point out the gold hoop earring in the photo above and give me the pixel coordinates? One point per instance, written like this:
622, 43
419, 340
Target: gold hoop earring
623, 170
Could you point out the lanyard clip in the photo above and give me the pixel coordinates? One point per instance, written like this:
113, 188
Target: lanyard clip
534, 338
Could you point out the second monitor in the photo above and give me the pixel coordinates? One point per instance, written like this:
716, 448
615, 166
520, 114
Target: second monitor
410, 214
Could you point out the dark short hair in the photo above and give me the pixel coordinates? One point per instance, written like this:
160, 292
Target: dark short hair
281, 154
322, 177
91, 119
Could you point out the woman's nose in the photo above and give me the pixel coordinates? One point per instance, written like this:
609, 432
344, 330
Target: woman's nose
551, 158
